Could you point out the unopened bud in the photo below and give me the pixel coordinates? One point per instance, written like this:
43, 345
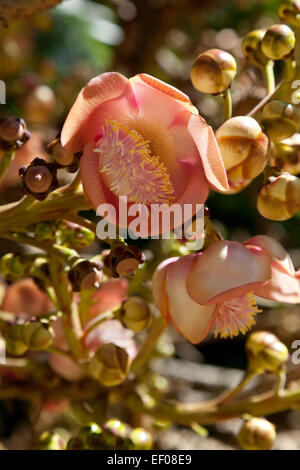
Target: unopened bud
266, 353
91, 435
243, 147
13, 133
57, 152
51, 441
73, 235
135, 314
38, 178
213, 71
14, 342
251, 47
141, 439
115, 435
286, 156
279, 198
289, 11
278, 42
36, 336
123, 260
110, 365
257, 434
85, 274
280, 120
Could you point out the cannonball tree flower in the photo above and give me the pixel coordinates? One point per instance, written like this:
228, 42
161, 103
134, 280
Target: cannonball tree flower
142, 139
216, 288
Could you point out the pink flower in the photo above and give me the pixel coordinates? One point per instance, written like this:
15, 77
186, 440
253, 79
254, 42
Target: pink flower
216, 288
142, 139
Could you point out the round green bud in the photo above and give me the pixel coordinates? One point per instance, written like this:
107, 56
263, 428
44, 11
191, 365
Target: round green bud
14, 342
141, 439
257, 434
36, 336
289, 11
110, 365
280, 120
135, 314
278, 42
49, 440
266, 353
251, 47
213, 71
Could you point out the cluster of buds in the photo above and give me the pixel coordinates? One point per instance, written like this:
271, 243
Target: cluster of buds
244, 150
34, 336
213, 71
279, 197
110, 365
38, 178
257, 434
122, 259
266, 353
61, 158
280, 120
135, 314
13, 134
85, 274
114, 434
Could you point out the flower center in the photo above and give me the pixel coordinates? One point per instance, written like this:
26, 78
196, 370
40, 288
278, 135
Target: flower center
128, 168
236, 316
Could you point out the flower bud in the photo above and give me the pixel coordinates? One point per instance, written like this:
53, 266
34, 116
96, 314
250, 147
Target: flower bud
59, 155
286, 156
257, 434
251, 47
91, 435
110, 365
13, 133
278, 42
213, 71
73, 235
243, 147
135, 314
51, 441
14, 342
36, 336
266, 353
280, 120
115, 435
123, 260
85, 274
38, 178
141, 439
289, 11
13, 267
279, 198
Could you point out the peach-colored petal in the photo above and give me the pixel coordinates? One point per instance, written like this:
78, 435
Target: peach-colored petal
91, 179
110, 295
212, 161
226, 270
107, 86
25, 298
158, 285
159, 101
192, 320
282, 288
275, 250
66, 367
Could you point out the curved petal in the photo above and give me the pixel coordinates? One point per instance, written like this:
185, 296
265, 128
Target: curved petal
158, 286
107, 86
275, 250
159, 101
91, 179
192, 320
227, 270
208, 148
282, 288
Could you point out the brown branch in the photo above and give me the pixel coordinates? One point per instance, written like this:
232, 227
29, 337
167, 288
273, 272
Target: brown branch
12, 9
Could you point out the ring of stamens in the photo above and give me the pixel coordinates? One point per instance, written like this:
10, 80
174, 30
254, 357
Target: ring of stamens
128, 168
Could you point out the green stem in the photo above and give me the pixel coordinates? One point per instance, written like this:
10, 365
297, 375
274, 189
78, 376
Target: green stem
289, 69
227, 104
157, 328
227, 396
269, 76
6, 160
